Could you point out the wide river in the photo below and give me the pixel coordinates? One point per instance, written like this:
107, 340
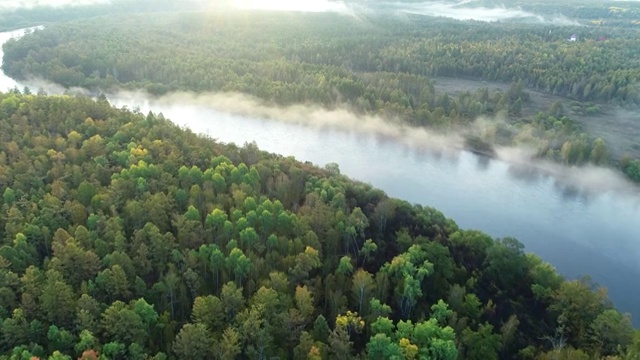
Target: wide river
579, 232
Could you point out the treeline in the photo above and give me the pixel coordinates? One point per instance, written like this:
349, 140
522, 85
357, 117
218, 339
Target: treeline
328, 60
245, 51
609, 13
125, 237
370, 67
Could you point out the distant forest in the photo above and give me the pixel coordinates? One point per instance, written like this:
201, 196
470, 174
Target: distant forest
372, 66
173, 52
125, 237
22, 17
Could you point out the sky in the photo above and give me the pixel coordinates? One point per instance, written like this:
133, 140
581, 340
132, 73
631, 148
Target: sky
28, 4
292, 5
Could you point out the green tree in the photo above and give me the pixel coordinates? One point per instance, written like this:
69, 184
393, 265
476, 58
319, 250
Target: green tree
86, 191
192, 342
114, 350
239, 264
15, 330
57, 299
381, 347
57, 355
407, 271
321, 329
60, 339
340, 345
481, 344
121, 324
87, 341
9, 196
146, 313
362, 287
209, 311
113, 282
599, 153
232, 300
578, 307
611, 332
345, 267
229, 346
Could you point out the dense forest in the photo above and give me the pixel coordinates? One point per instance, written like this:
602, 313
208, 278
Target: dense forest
177, 52
374, 66
123, 236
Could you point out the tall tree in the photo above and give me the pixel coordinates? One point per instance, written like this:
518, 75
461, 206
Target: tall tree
192, 342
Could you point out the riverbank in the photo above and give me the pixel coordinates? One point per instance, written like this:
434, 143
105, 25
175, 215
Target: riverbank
580, 233
418, 139
617, 126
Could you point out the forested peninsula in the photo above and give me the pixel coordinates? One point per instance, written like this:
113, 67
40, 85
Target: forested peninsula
126, 237
369, 65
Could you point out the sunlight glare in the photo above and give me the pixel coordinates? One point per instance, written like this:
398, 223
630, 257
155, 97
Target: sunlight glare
291, 5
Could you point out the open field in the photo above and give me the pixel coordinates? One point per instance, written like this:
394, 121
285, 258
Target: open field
619, 127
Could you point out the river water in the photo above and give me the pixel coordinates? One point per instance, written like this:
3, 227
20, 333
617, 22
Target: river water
579, 232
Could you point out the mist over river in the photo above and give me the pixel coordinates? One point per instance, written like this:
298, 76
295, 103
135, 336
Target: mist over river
580, 228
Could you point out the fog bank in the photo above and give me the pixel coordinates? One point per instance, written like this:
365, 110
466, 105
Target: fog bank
462, 11
307, 115
585, 180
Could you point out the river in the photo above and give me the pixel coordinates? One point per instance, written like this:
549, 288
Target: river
580, 233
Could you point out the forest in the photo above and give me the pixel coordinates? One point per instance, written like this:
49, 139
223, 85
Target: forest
380, 66
24, 17
176, 51
123, 236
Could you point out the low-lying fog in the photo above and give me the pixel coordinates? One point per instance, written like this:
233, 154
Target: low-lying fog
462, 10
466, 10
588, 180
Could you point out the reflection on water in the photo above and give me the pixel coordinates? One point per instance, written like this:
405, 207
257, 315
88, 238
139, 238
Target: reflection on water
525, 173
531, 176
483, 163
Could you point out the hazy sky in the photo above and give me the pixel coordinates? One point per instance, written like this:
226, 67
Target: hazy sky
27, 4
292, 5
